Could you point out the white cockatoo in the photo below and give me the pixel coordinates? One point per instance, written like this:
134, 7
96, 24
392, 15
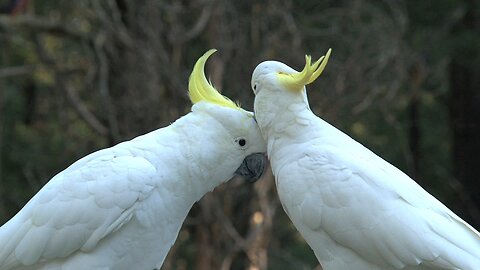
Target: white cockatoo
354, 209
122, 207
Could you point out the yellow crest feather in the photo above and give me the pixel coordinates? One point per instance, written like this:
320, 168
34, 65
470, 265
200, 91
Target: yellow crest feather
296, 81
200, 89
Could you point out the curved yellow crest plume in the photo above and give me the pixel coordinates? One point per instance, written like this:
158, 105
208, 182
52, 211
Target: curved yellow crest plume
296, 81
200, 89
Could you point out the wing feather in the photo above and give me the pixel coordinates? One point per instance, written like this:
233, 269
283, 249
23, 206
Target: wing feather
77, 208
378, 212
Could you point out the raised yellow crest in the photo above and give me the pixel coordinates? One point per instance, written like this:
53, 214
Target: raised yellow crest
296, 81
200, 89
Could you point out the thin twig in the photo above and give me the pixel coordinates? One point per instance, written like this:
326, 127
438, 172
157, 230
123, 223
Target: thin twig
37, 24
81, 109
103, 72
198, 27
71, 94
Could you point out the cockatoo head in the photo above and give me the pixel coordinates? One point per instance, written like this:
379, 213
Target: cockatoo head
277, 76
277, 86
235, 142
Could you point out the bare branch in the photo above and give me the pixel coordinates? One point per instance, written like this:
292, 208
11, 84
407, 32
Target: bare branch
72, 97
111, 22
37, 24
103, 86
198, 27
82, 110
16, 71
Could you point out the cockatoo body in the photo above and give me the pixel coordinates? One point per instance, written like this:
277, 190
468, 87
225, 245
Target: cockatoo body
122, 207
354, 209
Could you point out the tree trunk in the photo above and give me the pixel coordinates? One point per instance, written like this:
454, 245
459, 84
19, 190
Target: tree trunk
465, 112
416, 79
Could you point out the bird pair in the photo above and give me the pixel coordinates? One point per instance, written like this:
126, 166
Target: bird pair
122, 207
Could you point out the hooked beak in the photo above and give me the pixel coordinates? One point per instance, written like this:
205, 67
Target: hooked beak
252, 167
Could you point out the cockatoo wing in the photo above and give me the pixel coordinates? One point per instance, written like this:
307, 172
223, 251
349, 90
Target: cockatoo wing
376, 211
78, 207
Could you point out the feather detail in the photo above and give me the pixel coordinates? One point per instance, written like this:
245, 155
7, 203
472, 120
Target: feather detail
199, 89
296, 81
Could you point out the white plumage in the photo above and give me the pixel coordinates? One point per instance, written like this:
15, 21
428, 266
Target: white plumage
354, 209
122, 207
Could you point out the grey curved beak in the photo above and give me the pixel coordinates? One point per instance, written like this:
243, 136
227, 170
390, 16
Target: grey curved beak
252, 167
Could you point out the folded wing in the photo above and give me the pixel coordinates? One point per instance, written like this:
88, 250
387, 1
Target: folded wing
76, 209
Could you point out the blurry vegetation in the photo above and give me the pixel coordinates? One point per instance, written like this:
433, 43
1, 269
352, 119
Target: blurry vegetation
77, 76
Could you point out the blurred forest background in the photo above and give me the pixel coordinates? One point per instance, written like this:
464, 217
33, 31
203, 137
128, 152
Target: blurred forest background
403, 79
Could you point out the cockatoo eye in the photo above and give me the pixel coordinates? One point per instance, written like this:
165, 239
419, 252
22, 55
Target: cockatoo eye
242, 142
255, 88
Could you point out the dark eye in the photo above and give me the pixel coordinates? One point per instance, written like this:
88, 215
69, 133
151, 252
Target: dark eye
242, 142
255, 87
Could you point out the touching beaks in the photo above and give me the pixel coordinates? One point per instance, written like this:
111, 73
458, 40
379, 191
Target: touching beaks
252, 167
